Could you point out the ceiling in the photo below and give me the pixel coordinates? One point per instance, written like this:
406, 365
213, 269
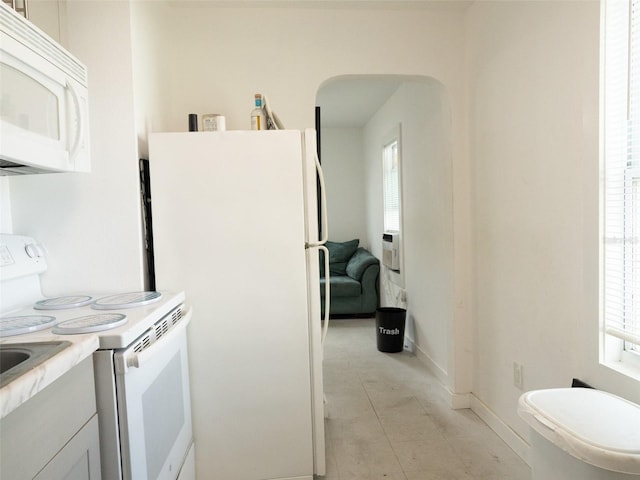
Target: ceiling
351, 101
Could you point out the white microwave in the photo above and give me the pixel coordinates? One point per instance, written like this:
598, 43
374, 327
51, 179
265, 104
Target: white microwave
44, 111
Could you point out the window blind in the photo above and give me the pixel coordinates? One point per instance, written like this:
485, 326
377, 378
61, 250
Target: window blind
621, 195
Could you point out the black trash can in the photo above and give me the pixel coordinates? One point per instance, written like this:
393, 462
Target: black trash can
390, 329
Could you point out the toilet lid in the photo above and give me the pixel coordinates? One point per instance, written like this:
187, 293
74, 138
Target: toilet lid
594, 426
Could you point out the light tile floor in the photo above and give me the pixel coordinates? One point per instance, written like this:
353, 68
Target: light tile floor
387, 418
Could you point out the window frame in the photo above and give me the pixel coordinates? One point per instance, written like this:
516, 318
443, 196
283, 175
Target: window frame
394, 226
620, 170
391, 187
394, 136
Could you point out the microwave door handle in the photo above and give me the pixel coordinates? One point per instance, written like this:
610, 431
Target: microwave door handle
139, 359
79, 130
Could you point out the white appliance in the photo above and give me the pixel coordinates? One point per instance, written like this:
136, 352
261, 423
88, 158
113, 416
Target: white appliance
566, 442
233, 213
391, 250
44, 113
140, 369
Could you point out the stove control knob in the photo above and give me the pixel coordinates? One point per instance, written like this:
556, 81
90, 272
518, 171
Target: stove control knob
34, 250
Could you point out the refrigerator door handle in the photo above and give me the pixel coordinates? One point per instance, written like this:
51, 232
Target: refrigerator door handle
320, 243
323, 209
327, 293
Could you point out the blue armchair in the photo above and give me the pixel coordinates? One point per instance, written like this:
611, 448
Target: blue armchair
353, 279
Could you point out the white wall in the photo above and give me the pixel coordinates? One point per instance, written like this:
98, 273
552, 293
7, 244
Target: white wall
533, 79
90, 223
422, 109
217, 57
148, 66
47, 15
343, 166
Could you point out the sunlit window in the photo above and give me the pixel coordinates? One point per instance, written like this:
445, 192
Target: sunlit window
391, 185
620, 245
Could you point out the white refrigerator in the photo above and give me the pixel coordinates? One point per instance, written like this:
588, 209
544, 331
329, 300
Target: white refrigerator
235, 226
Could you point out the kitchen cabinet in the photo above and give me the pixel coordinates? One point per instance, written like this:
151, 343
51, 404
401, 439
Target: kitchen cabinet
54, 435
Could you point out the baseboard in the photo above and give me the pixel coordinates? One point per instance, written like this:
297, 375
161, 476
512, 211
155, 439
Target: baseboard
468, 400
455, 400
428, 362
506, 433
459, 400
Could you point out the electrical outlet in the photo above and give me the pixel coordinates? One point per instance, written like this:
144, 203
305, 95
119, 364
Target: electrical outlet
518, 376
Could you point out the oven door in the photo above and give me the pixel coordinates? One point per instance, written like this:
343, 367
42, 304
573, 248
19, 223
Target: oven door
154, 406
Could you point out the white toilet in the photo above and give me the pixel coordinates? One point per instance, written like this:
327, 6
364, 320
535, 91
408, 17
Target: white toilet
582, 434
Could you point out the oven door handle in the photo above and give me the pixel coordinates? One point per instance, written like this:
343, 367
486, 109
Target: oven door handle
137, 360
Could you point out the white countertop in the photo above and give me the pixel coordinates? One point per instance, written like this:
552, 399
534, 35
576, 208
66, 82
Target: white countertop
35, 380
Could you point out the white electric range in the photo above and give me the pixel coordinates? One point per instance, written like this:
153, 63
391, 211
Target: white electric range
140, 367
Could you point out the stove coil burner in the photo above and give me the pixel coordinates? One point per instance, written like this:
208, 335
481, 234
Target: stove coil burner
61, 303
90, 323
126, 300
10, 326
